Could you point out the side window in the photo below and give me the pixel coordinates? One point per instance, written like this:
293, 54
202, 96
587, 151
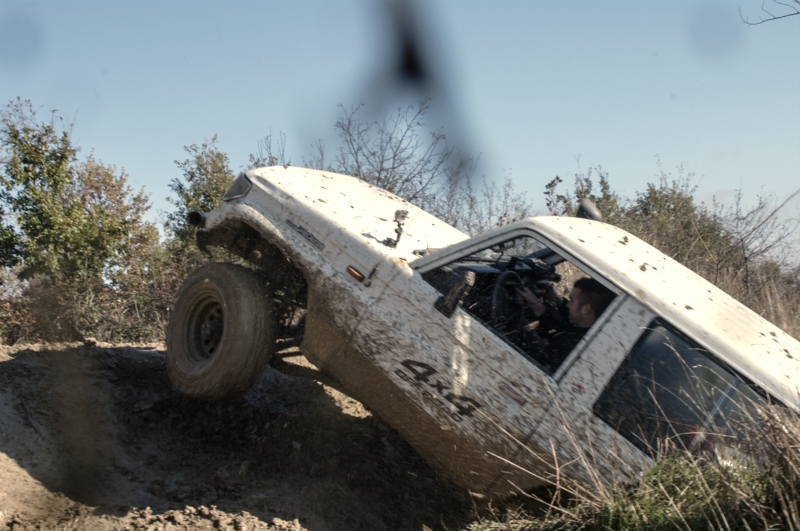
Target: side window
671, 389
528, 295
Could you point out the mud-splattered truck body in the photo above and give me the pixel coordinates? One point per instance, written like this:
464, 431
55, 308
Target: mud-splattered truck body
412, 316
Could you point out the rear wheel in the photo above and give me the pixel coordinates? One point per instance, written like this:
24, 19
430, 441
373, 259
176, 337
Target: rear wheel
221, 332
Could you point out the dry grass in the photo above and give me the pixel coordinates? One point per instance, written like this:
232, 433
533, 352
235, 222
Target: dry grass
723, 490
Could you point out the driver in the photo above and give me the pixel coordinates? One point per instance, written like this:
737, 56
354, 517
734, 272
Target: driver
559, 331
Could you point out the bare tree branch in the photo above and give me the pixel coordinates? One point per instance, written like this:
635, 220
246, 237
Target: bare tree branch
794, 6
266, 155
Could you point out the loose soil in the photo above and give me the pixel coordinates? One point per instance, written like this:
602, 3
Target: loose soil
97, 438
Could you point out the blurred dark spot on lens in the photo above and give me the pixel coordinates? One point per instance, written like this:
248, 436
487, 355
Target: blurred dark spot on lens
410, 66
655, 54
409, 59
673, 96
104, 72
715, 31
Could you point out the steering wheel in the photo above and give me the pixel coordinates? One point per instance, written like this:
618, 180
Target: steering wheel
507, 313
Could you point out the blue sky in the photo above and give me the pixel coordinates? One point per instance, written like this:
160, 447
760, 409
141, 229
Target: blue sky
531, 86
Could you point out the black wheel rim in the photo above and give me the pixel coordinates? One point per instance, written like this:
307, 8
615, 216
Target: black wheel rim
208, 329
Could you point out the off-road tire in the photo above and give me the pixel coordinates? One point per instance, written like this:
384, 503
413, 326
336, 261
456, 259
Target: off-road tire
221, 332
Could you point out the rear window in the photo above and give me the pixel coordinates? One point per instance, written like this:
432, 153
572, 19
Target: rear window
671, 389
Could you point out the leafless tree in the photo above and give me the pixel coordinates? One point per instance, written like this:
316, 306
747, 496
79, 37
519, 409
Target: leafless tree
395, 155
268, 155
792, 7
392, 153
476, 209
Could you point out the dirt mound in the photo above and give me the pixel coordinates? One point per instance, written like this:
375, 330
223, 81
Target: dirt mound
98, 438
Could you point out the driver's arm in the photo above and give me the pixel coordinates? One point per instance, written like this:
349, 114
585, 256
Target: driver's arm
535, 303
528, 298
551, 293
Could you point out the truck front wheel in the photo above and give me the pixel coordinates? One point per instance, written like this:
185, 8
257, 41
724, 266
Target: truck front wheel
221, 332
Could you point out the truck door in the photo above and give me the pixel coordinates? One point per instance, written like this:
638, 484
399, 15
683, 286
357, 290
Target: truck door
459, 394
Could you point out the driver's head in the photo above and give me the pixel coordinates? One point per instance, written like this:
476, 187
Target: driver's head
588, 300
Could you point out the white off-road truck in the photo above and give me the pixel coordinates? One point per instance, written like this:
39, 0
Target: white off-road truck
422, 324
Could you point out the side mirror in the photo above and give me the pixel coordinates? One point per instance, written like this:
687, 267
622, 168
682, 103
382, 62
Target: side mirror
447, 304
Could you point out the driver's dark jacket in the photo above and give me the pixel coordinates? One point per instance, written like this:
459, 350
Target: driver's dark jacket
553, 339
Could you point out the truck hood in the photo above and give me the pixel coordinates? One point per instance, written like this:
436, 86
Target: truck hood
341, 209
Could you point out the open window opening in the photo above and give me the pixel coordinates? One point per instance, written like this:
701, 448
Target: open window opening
529, 295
